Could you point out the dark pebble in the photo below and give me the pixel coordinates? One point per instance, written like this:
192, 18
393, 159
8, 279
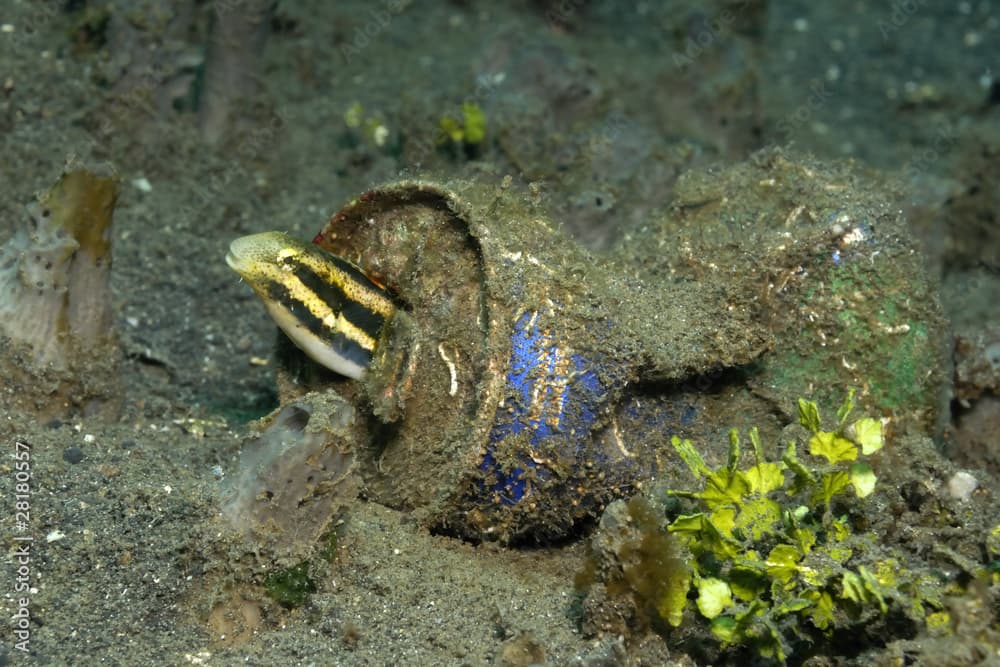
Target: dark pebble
72, 455
55, 423
128, 444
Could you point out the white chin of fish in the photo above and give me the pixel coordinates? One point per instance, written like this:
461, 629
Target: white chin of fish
236, 259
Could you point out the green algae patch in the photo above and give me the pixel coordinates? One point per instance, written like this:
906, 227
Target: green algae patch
768, 547
880, 323
290, 587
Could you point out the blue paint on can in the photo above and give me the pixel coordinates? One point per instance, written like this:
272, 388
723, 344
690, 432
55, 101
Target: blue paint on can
564, 419
553, 395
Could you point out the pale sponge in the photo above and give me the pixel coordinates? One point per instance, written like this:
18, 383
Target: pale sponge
295, 477
58, 343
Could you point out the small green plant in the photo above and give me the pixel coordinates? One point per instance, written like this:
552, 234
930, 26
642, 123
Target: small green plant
469, 131
370, 127
776, 561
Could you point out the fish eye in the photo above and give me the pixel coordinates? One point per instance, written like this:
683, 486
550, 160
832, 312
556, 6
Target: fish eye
286, 256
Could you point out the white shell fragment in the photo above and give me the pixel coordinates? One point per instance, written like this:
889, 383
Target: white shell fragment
142, 184
962, 485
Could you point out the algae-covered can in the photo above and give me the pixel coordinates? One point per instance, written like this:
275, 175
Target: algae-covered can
494, 398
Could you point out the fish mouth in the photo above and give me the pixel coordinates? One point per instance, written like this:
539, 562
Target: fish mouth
237, 257
251, 254
234, 263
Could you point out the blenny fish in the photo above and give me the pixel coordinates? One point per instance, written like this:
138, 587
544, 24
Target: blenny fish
325, 304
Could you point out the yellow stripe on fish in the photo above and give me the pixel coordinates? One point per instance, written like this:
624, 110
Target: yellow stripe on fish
325, 304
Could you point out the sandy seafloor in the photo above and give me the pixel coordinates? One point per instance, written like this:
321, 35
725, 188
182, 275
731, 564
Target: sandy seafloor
907, 88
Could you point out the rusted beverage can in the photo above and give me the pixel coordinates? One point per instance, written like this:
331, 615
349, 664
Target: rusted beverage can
496, 399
